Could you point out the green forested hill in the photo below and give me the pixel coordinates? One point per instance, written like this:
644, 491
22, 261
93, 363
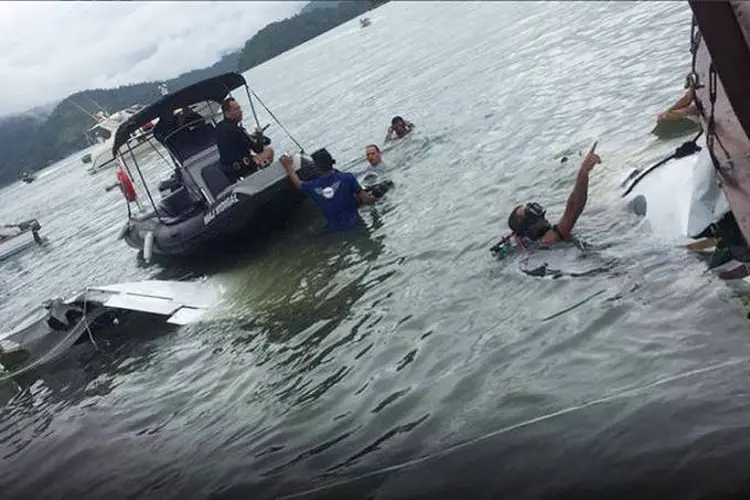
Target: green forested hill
30, 143
281, 36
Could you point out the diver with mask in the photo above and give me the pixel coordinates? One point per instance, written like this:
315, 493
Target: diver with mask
529, 224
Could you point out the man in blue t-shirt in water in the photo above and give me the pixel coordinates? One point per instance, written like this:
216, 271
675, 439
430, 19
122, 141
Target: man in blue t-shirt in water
338, 194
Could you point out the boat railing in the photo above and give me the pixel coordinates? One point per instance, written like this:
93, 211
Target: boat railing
179, 152
195, 136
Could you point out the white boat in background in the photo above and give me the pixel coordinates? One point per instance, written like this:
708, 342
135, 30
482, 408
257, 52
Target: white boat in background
14, 238
103, 134
199, 205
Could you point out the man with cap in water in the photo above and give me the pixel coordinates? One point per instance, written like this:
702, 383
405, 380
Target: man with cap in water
530, 223
338, 194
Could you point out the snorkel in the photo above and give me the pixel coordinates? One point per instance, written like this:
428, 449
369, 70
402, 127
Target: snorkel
505, 246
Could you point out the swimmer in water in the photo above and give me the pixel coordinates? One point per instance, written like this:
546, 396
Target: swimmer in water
374, 157
529, 221
371, 178
399, 129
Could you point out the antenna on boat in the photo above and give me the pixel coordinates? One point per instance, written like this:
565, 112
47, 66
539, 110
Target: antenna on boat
93, 117
97, 104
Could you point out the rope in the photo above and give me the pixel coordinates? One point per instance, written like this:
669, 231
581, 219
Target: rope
686, 149
617, 394
302, 150
252, 107
53, 352
695, 41
88, 330
711, 136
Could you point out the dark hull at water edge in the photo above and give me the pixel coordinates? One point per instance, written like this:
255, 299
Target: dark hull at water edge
234, 215
248, 209
202, 203
721, 68
198, 233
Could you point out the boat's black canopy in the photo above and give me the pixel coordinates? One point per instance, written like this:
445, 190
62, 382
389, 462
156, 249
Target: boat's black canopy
212, 89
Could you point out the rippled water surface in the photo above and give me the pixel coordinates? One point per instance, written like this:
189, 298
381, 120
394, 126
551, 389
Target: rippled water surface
400, 360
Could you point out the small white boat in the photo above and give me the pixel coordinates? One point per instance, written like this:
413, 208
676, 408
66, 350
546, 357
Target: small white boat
15, 238
364, 22
103, 134
48, 332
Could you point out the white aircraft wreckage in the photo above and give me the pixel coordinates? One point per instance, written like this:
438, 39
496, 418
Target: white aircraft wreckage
48, 332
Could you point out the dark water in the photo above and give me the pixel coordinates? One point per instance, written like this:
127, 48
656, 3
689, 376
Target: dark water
401, 361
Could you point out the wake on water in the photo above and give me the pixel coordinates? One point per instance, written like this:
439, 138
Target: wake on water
574, 260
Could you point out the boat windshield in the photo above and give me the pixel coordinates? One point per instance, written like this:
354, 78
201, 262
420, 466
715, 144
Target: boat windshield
186, 132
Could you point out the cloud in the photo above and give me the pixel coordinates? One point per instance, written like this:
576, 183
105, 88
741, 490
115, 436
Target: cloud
49, 50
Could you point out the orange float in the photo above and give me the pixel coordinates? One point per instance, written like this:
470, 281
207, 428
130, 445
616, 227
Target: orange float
126, 185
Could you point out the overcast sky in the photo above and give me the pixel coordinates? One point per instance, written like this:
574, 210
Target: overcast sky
49, 50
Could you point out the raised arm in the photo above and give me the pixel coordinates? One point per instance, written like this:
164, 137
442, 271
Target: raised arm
579, 196
388, 135
287, 163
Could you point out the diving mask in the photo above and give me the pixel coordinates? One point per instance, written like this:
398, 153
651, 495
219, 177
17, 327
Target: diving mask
533, 223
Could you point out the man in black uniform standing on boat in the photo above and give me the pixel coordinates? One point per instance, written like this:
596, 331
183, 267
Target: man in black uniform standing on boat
240, 153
